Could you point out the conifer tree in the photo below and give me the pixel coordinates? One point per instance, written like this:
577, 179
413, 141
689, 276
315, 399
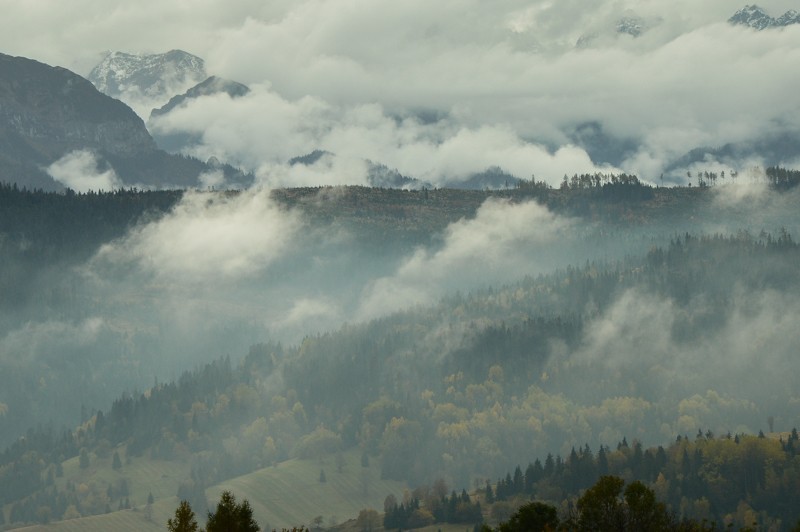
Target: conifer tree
184, 519
232, 517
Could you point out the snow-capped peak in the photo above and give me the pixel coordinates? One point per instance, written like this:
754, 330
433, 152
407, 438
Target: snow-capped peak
790, 17
631, 25
144, 81
756, 18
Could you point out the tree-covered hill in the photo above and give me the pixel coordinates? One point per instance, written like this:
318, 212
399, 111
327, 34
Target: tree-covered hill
695, 334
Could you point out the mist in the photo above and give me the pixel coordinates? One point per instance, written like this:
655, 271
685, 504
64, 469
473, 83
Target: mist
78, 170
434, 330
221, 271
363, 80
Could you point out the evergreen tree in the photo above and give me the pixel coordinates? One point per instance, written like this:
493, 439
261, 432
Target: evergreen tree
232, 517
518, 481
184, 519
148, 509
532, 517
489, 494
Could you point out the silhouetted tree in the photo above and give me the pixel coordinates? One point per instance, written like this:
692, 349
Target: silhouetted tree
232, 517
532, 517
184, 519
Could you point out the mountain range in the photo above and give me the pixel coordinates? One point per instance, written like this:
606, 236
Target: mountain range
634, 26
51, 116
756, 18
49, 113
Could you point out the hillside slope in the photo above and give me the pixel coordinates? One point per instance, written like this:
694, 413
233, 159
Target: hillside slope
56, 127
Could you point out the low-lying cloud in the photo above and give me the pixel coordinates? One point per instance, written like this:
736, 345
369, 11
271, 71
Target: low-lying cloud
263, 131
209, 237
53, 341
351, 77
711, 379
79, 171
503, 242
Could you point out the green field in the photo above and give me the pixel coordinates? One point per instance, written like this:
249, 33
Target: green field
289, 494
122, 521
144, 475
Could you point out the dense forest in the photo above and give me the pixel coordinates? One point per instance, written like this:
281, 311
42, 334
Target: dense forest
667, 353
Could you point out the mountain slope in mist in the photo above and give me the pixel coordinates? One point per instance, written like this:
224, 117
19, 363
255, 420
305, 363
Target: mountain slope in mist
755, 17
699, 333
59, 131
469, 328
147, 79
119, 280
440, 92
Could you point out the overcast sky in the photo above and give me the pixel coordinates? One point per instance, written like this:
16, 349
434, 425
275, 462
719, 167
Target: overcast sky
504, 78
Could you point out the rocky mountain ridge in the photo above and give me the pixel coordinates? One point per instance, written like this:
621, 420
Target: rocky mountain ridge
210, 86
755, 17
59, 110
47, 113
157, 77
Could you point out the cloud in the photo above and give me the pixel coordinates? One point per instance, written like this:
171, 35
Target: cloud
639, 346
751, 194
262, 131
78, 170
209, 237
212, 179
56, 342
504, 241
307, 314
638, 326
506, 72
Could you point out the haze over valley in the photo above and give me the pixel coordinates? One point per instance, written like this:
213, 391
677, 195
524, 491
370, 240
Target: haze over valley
385, 255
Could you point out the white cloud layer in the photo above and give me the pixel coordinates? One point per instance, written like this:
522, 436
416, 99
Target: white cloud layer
208, 238
262, 131
78, 170
503, 242
505, 78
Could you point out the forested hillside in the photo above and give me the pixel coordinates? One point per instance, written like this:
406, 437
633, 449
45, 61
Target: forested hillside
389, 326
696, 334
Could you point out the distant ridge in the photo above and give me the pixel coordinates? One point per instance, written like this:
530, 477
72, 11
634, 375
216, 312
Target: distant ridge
755, 17
208, 87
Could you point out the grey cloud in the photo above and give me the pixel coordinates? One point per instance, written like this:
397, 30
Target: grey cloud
506, 72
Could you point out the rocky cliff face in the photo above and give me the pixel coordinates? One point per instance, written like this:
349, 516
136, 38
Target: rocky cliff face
49, 112
55, 111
